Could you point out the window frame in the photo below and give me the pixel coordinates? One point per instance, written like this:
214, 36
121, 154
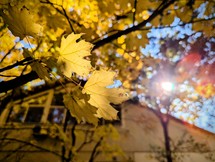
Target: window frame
4, 118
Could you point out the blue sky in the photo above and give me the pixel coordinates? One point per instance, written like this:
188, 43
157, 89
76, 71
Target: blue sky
204, 109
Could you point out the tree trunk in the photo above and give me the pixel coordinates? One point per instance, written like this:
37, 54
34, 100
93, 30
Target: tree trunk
164, 124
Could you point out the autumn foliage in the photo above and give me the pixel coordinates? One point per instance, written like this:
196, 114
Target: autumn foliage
94, 42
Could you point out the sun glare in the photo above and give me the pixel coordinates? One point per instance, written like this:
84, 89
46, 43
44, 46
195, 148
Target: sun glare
167, 86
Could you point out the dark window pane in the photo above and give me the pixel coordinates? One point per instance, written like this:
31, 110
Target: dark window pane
17, 114
56, 115
34, 115
58, 99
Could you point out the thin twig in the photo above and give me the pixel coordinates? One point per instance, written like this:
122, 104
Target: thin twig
85, 142
9, 51
14, 151
31, 144
8, 76
68, 19
158, 11
94, 151
180, 24
135, 9
25, 61
59, 11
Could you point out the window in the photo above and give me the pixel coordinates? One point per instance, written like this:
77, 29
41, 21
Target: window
17, 114
43, 108
30, 110
34, 115
56, 115
58, 99
47, 107
27, 115
57, 111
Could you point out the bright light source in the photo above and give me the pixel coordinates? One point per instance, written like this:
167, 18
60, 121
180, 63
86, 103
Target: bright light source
167, 86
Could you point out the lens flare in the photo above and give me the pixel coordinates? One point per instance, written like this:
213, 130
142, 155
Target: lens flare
167, 86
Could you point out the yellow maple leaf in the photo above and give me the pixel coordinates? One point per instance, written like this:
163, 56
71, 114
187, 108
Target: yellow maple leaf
72, 55
79, 108
101, 96
22, 22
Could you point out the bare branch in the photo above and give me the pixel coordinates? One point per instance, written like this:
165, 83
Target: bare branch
158, 11
18, 63
68, 19
61, 12
135, 10
7, 54
94, 151
86, 141
11, 84
9, 76
12, 153
30, 144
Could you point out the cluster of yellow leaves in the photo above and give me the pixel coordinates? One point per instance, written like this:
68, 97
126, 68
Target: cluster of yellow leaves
88, 11
84, 107
72, 55
207, 90
71, 58
52, 18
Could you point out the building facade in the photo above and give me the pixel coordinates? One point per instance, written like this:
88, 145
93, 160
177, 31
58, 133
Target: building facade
33, 129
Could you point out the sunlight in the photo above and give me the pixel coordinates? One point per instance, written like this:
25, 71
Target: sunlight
167, 86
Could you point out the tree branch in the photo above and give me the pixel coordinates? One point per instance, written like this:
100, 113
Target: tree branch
86, 140
9, 51
68, 19
135, 7
180, 24
94, 151
30, 144
158, 11
14, 151
61, 12
9, 76
8, 85
11, 84
22, 62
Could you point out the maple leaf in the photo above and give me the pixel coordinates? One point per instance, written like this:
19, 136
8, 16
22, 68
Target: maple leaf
41, 71
101, 96
72, 55
80, 108
21, 22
